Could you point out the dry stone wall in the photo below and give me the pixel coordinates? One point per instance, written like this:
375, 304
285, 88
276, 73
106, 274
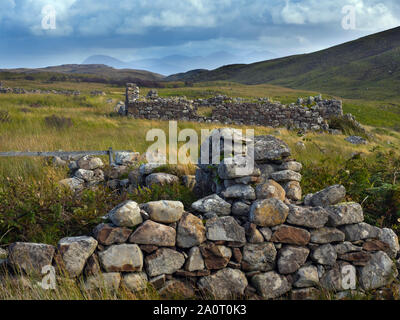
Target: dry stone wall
234, 111
247, 236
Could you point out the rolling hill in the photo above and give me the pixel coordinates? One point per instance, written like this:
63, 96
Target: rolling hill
95, 70
367, 67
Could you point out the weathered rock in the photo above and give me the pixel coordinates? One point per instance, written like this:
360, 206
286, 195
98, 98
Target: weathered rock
108, 281
291, 165
332, 280
388, 236
268, 212
225, 284
213, 203
107, 234
326, 235
86, 175
164, 211
270, 285
215, 257
73, 184
190, 232
306, 276
291, 235
30, 257
267, 233
161, 179
360, 258
345, 213
356, 140
148, 168
225, 229
122, 258
74, 252
195, 261
240, 208
286, 175
259, 257
291, 258
134, 178
378, 272
126, 214
360, 231
346, 247
153, 233
268, 148
126, 158
239, 191
293, 190
164, 261
310, 217
325, 254
376, 245
90, 163
3, 254
270, 189
135, 282
236, 167
329, 196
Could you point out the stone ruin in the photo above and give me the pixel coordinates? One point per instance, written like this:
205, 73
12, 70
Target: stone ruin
248, 236
311, 114
4, 90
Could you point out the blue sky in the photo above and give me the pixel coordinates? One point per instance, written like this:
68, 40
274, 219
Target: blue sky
138, 29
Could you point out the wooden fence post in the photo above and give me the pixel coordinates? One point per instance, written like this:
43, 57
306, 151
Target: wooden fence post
110, 155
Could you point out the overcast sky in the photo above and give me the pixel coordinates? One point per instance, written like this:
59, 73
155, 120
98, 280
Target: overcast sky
136, 29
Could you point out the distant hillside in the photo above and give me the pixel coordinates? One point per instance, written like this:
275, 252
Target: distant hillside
369, 66
99, 71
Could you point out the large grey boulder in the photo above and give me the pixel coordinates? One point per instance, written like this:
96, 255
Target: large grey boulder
153, 233
126, 158
345, 213
74, 253
291, 258
190, 232
126, 214
122, 258
259, 257
310, 217
270, 285
360, 231
268, 148
239, 191
164, 261
225, 229
213, 204
225, 284
378, 272
164, 211
30, 257
329, 196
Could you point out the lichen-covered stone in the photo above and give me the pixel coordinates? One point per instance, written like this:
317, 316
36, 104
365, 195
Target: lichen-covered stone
268, 212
